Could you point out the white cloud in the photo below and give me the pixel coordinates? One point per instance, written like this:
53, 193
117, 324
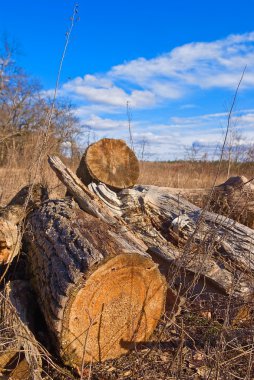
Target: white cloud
167, 80
147, 83
203, 64
97, 123
97, 89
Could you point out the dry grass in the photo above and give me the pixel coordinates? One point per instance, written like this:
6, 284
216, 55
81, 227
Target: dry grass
12, 179
182, 174
188, 174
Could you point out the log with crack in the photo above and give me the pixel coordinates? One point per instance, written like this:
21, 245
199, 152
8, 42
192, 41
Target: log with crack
99, 291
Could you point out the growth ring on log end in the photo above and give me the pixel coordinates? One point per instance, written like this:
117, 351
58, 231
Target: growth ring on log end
112, 162
118, 305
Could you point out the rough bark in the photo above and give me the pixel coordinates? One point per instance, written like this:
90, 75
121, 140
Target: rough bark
12, 216
109, 161
99, 293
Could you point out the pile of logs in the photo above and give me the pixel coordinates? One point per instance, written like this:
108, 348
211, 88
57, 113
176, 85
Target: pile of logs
109, 259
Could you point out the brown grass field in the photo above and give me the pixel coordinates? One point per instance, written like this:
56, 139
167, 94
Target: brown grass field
190, 175
181, 174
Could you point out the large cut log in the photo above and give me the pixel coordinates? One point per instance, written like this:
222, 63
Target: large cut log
98, 292
12, 216
110, 161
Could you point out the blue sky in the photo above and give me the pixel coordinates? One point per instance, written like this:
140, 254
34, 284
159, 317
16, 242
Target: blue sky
177, 63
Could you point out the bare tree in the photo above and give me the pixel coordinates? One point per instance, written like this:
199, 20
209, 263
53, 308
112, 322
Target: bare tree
24, 111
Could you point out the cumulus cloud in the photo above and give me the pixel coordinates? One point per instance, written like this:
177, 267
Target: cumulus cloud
202, 64
97, 89
98, 123
166, 80
147, 83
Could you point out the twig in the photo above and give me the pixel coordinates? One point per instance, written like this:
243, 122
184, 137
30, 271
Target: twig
129, 116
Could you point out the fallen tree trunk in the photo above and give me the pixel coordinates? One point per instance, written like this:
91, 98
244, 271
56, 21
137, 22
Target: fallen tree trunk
200, 234
179, 233
148, 219
98, 294
12, 216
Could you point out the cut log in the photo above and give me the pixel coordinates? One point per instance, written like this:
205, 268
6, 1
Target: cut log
98, 295
109, 161
12, 216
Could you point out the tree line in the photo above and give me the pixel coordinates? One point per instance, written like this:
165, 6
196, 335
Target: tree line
24, 109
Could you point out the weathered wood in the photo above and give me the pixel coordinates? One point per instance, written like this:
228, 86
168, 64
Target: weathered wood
12, 216
16, 321
217, 248
148, 219
235, 199
109, 161
98, 293
91, 204
201, 235
77, 189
